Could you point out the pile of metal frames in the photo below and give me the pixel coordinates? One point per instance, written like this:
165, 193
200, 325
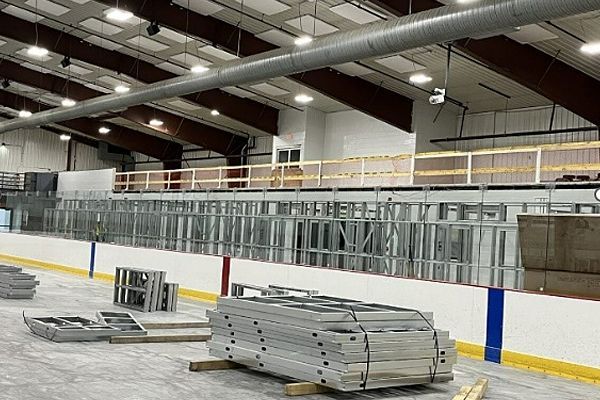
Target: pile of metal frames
78, 329
144, 290
343, 344
16, 284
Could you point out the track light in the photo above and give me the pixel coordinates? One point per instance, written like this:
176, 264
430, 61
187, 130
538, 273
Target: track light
103, 130
36, 51
119, 15
303, 99
5, 83
156, 122
153, 28
420, 78
122, 89
64, 137
215, 113
591, 48
24, 114
66, 102
197, 69
302, 40
66, 61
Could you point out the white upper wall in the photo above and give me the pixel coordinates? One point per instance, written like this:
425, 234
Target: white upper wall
339, 135
354, 134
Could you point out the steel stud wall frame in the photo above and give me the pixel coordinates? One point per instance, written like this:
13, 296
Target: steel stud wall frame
469, 242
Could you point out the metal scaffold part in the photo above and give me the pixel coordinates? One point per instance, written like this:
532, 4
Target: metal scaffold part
70, 329
347, 345
16, 284
78, 329
144, 290
125, 322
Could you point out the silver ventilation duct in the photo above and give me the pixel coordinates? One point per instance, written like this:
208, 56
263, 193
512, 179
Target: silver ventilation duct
375, 40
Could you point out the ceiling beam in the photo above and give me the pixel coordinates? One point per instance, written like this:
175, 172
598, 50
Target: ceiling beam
129, 139
374, 100
184, 129
246, 111
542, 73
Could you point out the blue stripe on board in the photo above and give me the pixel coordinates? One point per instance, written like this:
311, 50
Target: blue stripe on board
92, 260
495, 324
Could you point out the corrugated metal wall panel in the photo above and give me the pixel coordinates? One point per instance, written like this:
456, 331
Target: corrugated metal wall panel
86, 157
33, 150
520, 121
40, 150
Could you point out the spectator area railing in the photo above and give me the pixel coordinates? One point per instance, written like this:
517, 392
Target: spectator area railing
524, 164
11, 181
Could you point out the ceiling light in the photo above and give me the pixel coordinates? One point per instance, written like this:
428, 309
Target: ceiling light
303, 98
420, 78
66, 102
66, 62
153, 28
122, 89
37, 51
214, 113
302, 40
117, 14
199, 69
103, 130
24, 114
591, 48
156, 122
5, 83
64, 137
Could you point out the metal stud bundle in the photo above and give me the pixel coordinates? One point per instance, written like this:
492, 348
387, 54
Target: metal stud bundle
16, 284
144, 290
343, 344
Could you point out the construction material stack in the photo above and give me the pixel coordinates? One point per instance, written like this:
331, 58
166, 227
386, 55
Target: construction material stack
16, 284
144, 290
343, 344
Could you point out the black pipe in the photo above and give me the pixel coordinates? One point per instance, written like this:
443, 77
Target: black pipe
202, 158
515, 134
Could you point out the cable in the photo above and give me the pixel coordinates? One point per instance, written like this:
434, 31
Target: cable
367, 348
436, 344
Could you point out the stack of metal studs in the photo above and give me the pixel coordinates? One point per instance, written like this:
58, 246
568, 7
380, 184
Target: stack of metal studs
344, 344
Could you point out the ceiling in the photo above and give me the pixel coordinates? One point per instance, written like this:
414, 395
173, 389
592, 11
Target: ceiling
471, 83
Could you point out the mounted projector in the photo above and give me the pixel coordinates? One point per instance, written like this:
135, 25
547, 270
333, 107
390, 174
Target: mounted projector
439, 96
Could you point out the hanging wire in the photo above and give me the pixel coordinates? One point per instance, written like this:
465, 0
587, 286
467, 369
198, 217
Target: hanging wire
239, 43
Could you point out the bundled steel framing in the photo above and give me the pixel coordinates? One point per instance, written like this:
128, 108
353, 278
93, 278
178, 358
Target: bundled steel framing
344, 344
144, 290
16, 284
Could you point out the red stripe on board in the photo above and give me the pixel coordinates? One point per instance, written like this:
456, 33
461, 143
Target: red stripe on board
225, 276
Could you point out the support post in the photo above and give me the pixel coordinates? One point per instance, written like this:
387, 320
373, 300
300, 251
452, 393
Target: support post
538, 166
469, 168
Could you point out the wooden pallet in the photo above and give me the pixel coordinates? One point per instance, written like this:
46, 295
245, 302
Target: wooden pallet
290, 389
158, 339
176, 325
475, 392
